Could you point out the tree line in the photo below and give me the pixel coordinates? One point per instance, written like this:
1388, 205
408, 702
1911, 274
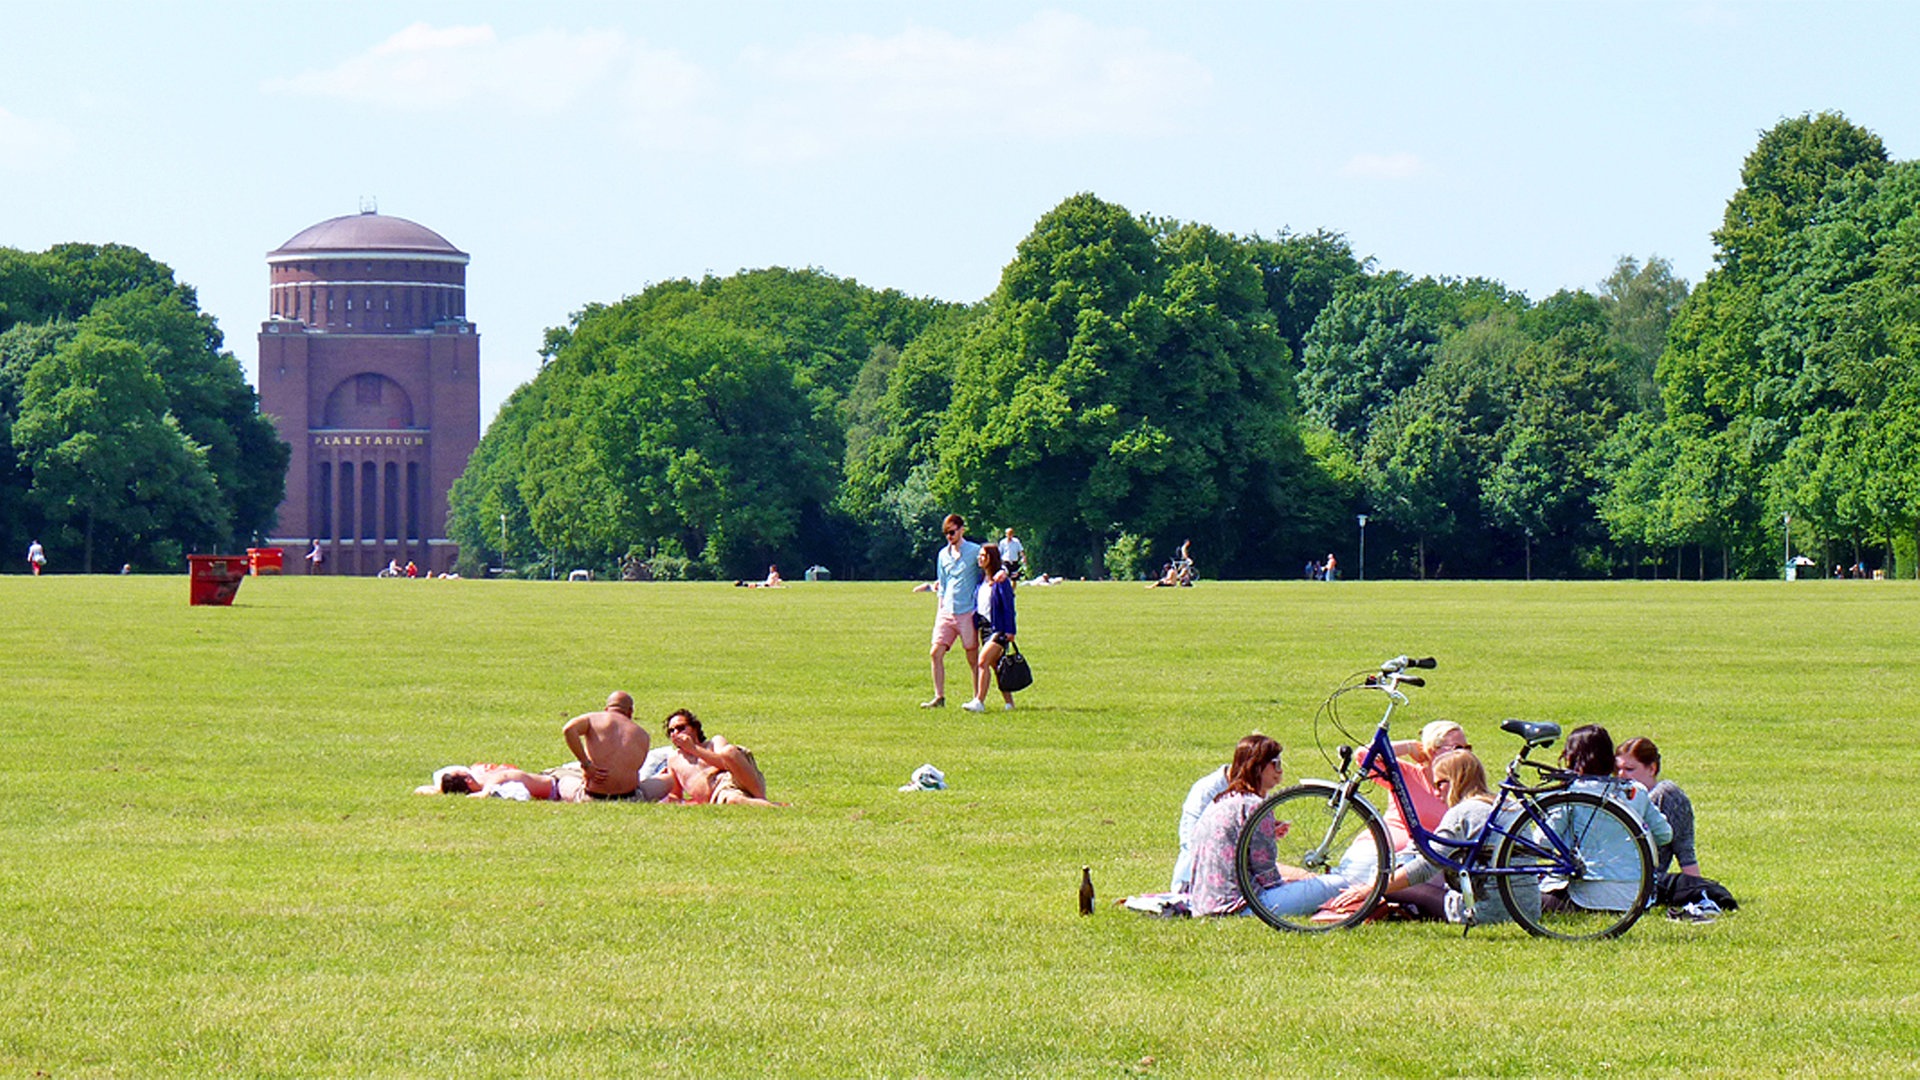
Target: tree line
1134, 382
1131, 383
128, 435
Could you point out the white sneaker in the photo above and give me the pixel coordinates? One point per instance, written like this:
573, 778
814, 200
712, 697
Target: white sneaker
976, 705
1008, 707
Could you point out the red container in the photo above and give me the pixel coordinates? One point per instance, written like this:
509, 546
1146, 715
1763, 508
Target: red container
266, 560
213, 579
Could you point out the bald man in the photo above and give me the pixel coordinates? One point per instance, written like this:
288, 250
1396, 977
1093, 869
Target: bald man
611, 749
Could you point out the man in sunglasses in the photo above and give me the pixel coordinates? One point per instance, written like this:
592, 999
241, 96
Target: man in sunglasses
704, 770
956, 583
611, 749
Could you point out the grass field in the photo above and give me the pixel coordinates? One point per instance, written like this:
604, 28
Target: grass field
211, 861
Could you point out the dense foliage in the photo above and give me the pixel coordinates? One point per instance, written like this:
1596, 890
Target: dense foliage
1132, 383
1789, 384
1135, 382
701, 426
127, 433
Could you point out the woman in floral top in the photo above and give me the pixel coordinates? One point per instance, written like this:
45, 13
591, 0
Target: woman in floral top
1216, 839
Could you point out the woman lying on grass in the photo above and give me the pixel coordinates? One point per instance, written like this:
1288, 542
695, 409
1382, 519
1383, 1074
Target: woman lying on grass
1255, 770
484, 779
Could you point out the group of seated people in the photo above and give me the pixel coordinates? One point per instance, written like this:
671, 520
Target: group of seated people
1451, 797
615, 761
1178, 571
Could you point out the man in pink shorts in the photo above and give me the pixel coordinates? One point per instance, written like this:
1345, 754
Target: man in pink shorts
956, 585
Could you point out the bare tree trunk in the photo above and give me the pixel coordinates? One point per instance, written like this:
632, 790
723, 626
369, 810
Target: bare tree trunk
86, 561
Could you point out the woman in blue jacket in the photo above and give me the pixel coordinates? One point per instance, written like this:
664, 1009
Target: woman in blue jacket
995, 607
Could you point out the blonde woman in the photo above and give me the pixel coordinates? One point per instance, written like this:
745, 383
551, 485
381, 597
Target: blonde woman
1462, 781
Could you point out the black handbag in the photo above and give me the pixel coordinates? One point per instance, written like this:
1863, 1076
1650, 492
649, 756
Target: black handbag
1012, 671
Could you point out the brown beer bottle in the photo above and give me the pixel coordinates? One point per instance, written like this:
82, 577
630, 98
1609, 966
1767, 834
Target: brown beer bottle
1086, 890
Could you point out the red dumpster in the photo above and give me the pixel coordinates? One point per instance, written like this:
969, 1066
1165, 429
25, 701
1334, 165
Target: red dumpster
213, 579
268, 560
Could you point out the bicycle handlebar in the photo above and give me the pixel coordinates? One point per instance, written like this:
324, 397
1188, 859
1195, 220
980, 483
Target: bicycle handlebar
1403, 662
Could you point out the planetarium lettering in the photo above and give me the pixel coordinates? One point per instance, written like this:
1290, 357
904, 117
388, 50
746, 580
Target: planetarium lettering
369, 440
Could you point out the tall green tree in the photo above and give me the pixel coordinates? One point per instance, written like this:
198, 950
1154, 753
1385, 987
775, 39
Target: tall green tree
1641, 300
1300, 273
1126, 380
1766, 381
1377, 336
704, 421
208, 396
111, 468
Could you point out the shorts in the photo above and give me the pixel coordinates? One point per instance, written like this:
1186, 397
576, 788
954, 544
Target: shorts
948, 626
628, 796
724, 789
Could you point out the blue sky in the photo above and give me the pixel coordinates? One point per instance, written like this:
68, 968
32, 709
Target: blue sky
580, 151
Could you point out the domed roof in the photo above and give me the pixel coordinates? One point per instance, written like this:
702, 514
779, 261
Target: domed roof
366, 232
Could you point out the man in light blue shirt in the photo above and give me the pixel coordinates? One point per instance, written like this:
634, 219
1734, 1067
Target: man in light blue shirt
956, 584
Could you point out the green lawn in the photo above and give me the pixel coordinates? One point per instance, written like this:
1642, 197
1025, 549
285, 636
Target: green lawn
211, 859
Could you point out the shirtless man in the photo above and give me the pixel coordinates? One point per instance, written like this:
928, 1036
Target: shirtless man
611, 749
711, 770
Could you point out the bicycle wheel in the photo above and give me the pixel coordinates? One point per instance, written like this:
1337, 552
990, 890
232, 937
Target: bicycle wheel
1600, 892
1319, 837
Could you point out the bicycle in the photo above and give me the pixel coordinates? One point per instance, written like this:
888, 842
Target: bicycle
1567, 864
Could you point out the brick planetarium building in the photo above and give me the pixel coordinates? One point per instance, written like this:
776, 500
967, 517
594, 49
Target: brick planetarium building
371, 372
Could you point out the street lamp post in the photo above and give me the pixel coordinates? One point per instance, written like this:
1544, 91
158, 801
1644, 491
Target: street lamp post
1786, 545
1362, 518
503, 541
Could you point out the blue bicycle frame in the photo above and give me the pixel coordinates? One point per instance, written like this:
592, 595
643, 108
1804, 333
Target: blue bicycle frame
1555, 858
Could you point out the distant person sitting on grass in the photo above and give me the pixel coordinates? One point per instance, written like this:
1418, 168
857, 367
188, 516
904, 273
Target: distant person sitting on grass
611, 749
484, 779
704, 770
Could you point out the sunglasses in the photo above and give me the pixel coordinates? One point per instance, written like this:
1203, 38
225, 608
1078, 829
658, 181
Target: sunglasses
951, 532
675, 729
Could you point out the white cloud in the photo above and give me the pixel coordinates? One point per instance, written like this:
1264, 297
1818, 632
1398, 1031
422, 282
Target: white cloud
30, 144
426, 68
1401, 166
1055, 76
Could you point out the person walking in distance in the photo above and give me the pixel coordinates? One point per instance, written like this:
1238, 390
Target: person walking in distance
956, 582
994, 618
1012, 555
